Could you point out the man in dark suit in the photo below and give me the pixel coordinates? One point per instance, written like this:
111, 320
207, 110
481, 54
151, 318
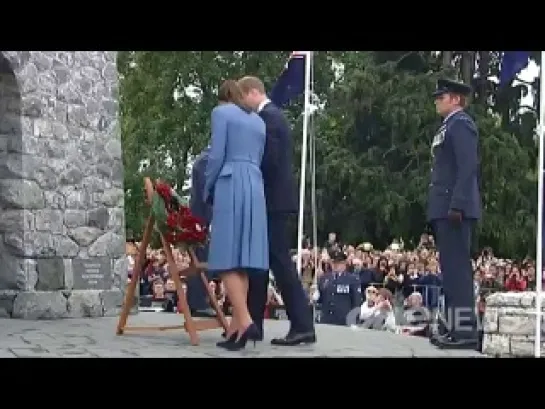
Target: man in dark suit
281, 197
196, 293
454, 206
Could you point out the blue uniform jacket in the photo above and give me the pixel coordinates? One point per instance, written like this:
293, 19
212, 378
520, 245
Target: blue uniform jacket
455, 172
339, 295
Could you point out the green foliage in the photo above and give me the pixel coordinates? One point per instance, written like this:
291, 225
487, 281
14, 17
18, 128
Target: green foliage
372, 133
159, 212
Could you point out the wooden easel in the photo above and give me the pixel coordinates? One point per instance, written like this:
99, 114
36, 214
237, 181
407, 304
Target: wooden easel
190, 325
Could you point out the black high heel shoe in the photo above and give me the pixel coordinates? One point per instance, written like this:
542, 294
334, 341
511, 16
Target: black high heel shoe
232, 338
253, 338
251, 333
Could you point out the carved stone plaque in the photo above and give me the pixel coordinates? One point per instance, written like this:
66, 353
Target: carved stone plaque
92, 273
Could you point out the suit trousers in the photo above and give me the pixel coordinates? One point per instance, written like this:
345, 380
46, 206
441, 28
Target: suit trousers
196, 292
287, 280
454, 244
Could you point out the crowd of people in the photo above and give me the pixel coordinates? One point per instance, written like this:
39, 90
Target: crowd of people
398, 279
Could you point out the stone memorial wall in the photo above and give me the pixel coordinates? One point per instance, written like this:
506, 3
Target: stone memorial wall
510, 325
62, 230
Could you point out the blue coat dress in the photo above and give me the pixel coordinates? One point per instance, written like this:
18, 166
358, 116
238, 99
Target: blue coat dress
234, 185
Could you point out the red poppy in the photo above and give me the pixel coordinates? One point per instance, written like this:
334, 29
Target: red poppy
172, 220
164, 191
184, 211
170, 237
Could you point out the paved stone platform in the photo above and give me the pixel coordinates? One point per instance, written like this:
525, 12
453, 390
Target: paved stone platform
95, 337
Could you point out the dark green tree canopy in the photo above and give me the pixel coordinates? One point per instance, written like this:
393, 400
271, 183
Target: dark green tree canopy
372, 132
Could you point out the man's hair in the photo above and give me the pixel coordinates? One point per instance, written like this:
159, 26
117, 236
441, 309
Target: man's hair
230, 91
249, 83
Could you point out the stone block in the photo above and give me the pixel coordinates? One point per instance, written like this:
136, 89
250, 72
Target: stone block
7, 298
503, 300
496, 345
109, 244
50, 274
516, 324
40, 305
85, 303
21, 194
490, 323
112, 302
523, 346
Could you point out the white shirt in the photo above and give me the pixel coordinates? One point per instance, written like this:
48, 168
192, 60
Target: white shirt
262, 105
366, 311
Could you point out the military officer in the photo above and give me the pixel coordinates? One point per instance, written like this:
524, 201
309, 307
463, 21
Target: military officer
454, 206
196, 294
339, 293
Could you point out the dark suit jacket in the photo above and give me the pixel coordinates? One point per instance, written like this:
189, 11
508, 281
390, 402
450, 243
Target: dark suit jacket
455, 173
277, 163
197, 205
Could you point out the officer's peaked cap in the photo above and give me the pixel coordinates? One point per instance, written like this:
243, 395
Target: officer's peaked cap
445, 85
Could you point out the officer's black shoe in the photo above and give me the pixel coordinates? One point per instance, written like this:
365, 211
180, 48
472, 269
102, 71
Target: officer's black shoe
450, 342
293, 339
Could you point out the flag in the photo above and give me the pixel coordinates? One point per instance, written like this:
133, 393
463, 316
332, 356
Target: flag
512, 63
291, 82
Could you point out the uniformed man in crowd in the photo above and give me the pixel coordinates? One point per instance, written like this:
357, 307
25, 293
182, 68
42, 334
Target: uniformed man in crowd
454, 206
339, 293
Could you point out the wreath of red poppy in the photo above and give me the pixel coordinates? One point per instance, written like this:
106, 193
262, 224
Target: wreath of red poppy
174, 219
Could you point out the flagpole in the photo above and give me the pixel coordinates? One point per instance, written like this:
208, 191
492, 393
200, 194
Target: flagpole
304, 152
539, 240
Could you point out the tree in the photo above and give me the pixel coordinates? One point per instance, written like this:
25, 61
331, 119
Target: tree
166, 99
373, 132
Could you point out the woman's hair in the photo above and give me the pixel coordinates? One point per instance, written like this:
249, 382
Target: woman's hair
386, 294
381, 260
230, 92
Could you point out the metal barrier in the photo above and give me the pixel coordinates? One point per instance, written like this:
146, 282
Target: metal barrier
278, 312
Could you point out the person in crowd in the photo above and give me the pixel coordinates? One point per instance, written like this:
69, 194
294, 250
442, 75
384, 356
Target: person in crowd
393, 281
416, 317
339, 293
171, 296
381, 270
366, 272
368, 306
332, 243
430, 285
158, 289
515, 281
410, 280
382, 316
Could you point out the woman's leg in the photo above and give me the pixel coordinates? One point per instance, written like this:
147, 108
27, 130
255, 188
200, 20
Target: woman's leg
236, 285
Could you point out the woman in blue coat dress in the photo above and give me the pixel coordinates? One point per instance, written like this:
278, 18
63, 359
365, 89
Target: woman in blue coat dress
234, 186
